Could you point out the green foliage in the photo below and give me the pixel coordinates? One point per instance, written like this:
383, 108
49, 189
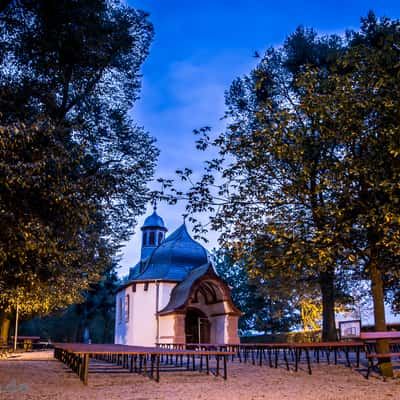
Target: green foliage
97, 313
49, 238
273, 207
309, 163
73, 166
266, 305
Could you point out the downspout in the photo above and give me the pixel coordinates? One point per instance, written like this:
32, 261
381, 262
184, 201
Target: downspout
157, 282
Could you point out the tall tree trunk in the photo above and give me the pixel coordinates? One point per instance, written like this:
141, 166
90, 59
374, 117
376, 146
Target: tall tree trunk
385, 364
5, 322
326, 278
327, 285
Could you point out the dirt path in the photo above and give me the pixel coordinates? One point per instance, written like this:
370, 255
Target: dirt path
38, 376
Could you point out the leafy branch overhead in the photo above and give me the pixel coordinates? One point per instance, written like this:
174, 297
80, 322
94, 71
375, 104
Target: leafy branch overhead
74, 166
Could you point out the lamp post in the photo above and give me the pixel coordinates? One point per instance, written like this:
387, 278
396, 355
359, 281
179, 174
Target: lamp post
16, 327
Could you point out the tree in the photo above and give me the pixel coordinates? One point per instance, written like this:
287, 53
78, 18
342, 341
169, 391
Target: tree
363, 105
273, 206
97, 313
74, 166
267, 306
310, 184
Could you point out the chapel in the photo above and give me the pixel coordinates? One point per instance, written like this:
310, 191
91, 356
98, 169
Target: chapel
173, 294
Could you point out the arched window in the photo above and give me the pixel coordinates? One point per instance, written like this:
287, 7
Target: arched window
144, 239
160, 237
152, 239
127, 308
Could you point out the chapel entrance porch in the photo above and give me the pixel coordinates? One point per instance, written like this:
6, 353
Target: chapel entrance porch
197, 326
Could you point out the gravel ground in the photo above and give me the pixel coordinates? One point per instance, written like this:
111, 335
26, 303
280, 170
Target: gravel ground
37, 376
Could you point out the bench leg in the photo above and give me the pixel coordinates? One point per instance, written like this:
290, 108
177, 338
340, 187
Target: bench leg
157, 368
269, 357
225, 369
308, 361
286, 360
85, 371
347, 357
370, 365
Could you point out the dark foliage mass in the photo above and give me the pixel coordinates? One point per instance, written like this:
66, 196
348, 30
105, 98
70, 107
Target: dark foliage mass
96, 315
73, 166
267, 306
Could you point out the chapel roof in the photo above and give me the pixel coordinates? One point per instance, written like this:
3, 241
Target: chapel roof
175, 258
182, 292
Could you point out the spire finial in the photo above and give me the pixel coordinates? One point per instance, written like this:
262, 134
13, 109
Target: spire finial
184, 216
155, 205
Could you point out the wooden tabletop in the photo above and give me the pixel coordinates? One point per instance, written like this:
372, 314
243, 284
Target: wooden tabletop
81, 348
27, 337
380, 335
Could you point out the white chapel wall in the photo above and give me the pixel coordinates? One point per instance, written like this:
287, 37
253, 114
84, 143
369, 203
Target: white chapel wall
143, 321
167, 331
120, 324
141, 327
165, 294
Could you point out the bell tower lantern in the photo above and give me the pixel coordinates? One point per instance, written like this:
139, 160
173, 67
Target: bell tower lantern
153, 233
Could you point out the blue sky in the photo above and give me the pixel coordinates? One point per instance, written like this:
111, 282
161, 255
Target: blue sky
198, 49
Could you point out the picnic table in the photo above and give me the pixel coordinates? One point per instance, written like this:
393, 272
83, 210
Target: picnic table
261, 353
135, 358
5, 349
328, 348
257, 352
370, 341
27, 341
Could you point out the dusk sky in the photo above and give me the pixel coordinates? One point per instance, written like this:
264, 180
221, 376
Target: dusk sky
198, 49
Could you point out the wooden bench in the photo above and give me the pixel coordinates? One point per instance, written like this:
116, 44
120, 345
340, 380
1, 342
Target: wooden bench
270, 353
76, 356
5, 349
370, 339
26, 342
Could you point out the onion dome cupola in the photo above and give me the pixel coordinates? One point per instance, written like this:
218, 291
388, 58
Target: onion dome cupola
175, 258
153, 233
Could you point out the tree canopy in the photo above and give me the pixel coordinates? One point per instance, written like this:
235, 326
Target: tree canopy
308, 165
268, 306
74, 166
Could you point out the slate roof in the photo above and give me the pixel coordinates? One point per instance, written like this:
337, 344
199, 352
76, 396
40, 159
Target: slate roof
181, 292
175, 258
